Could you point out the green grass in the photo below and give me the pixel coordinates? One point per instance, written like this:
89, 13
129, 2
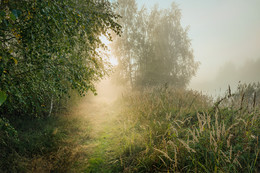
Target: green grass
46, 144
184, 131
156, 130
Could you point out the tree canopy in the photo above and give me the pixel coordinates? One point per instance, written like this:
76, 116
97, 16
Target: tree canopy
49, 47
154, 48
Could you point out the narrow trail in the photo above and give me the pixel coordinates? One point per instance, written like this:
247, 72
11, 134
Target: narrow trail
100, 115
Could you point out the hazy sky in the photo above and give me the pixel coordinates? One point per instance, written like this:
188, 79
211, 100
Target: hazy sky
221, 31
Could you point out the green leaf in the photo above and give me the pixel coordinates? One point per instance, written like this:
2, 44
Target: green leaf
1, 71
2, 14
12, 16
15, 60
3, 97
15, 13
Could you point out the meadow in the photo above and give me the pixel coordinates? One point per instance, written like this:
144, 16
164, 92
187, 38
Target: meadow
53, 53
155, 130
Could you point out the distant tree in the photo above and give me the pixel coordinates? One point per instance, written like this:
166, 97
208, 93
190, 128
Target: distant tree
124, 46
160, 48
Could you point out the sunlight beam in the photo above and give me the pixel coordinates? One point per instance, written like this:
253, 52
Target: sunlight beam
108, 52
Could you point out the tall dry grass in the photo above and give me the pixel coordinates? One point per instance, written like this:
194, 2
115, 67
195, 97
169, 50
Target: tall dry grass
174, 130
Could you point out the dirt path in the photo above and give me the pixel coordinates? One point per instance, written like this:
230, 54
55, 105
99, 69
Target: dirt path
94, 143
100, 115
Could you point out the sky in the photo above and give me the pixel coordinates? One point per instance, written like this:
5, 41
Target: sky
221, 32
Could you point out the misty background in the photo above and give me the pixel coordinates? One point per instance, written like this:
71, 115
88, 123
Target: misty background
130, 86
225, 37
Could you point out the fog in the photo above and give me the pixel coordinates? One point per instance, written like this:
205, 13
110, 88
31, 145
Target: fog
130, 86
225, 37
229, 74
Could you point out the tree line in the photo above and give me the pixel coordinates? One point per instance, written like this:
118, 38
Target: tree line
154, 48
50, 47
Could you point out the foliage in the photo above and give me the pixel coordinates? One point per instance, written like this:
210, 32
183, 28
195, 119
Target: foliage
48, 48
3, 97
154, 48
8, 144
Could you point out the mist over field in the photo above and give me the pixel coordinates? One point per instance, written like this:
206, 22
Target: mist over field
231, 74
122, 86
222, 34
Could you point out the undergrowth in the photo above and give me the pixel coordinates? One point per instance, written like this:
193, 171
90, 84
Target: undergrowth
50, 144
156, 130
173, 130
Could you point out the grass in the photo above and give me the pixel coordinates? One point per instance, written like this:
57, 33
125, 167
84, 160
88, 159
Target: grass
46, 145
171, 130
156, 130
